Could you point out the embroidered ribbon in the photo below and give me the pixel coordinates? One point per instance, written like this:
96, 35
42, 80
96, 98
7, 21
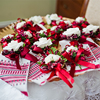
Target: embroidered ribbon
14, 57
61, 73
83, 40
77, 61
25, 54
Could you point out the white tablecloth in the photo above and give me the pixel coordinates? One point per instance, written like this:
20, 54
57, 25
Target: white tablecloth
85, 87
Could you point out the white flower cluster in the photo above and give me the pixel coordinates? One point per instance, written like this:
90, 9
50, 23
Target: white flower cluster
71, 31
43, 42
71, 48
7, 36
51, 57
19, 25
90, 28
28, 33
36, 19
51, 17
78, 19
13, 45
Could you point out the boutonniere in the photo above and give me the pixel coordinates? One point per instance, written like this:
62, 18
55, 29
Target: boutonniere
80, 22
65, 24
54, 63
53, 19
92, 31
42, 45
15, 49
6, 39
71, 34
75, 55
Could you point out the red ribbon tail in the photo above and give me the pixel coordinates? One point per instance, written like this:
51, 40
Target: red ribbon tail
17, 64
64, 79
67, 75
90, 43
51, 75
31, 57
87, 64
72, 71
14, 57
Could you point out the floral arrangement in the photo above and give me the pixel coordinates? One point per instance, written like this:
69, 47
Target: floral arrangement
92, 31
33, 35
71, 34
80, 22
53, 19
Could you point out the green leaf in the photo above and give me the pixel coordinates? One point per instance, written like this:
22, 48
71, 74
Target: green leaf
52, 40
48, 35
58, 53
8, 40
53, 49
76, 46
59, 30
13, 28
74, 55
82, 54
31, 40
24, 45
39, 62
16, 34
15, 38
63, 58
49, 27
54, 45
79, 66
42, 35
18, 52
23, 38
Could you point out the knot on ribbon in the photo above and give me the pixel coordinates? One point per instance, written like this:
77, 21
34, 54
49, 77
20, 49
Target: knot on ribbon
25, 54
14, 57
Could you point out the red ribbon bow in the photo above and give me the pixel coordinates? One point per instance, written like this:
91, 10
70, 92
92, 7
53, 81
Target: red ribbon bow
61, 73
77, 61
14, 57
25, 54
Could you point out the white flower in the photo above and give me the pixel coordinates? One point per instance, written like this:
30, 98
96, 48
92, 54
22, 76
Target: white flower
51, 57
90, 28
19, 25
48, 20
36, 19
71, 48
28, 33
7, 36
13, 45
42, 31
68, 22
71, 31
53, 28
78, 19
51, 17
54, 17
43, 42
